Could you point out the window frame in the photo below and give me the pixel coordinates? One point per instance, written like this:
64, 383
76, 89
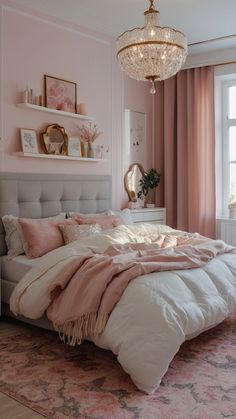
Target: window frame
226, 124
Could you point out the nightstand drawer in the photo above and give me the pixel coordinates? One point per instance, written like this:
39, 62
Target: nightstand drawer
149, 215
152, 216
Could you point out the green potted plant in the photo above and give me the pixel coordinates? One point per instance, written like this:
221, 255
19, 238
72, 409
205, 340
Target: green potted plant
148, 183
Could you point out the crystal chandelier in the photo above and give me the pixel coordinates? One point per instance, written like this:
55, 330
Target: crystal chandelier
151, 53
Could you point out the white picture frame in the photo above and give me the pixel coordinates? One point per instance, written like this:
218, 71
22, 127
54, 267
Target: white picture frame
29, 142
137, 130
135, 145
74, 147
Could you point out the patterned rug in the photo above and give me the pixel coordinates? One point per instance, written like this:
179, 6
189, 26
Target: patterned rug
60, 382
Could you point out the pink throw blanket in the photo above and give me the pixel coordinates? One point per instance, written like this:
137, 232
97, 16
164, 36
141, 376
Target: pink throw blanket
84, 295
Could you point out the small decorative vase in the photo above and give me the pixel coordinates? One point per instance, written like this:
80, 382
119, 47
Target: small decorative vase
90, 152
131, 205
84, 149
232, 213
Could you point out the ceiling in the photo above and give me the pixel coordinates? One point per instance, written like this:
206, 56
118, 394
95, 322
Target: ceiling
200, 20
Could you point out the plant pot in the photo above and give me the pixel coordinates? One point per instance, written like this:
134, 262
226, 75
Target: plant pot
150, 198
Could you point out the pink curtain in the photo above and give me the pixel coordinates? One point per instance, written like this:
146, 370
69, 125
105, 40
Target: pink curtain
185, 150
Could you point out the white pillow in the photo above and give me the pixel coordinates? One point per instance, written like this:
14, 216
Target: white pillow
125, 214
14, 236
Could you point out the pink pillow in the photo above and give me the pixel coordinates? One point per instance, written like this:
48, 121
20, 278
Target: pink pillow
42, 236
106, 222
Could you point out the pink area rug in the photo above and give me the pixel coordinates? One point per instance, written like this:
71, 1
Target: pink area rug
60, 382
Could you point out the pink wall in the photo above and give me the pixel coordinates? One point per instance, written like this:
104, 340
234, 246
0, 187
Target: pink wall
137, 98
33, 45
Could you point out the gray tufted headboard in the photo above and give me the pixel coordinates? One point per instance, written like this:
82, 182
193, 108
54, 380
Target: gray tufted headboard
44, 195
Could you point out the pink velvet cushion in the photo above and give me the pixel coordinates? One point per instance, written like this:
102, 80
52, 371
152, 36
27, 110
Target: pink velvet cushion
42, 236
106, 222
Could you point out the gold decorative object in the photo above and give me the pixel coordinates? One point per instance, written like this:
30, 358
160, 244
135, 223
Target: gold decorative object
132, 180
55, 140
151, 53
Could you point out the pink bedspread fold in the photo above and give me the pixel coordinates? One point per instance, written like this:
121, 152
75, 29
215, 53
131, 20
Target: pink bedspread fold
84, 295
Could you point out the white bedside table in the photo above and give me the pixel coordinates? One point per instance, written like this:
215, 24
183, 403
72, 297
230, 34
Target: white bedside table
149, 215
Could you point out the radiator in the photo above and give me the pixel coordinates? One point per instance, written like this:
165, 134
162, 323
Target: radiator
226, 230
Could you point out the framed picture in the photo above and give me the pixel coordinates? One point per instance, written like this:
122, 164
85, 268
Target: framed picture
29, 140
74, 147
60, 94
135, 138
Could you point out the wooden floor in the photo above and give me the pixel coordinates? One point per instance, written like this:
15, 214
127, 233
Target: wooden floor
10, 408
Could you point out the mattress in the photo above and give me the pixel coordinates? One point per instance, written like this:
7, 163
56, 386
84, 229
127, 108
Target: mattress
12, 270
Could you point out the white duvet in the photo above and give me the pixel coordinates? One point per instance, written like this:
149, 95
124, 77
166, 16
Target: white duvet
156, 313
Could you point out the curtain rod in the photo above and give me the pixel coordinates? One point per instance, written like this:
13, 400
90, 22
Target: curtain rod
225, 63
209, 64
213, 39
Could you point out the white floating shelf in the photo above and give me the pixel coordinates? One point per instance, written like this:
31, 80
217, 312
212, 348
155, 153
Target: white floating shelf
54, 111
57, 157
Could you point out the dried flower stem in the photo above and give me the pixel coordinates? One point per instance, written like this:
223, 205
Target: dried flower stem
88, 133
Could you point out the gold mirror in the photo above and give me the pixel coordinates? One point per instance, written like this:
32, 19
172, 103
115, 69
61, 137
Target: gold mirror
55, 140
132, 179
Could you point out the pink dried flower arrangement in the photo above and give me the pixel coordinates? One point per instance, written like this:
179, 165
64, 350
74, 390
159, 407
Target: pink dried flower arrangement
88, 133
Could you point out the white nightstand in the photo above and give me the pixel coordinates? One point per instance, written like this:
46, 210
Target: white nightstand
149, 215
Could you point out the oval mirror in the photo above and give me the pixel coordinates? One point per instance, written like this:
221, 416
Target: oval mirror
132, 179
55, 140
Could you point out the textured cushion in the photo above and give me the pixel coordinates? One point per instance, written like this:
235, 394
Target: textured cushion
106, 221
125, 214
72, 214
14, 237
42, 236
71, 232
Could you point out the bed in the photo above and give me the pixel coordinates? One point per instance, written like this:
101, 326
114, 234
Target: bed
40, 196
157, 311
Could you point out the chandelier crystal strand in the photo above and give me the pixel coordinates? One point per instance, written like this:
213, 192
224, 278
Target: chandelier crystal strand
151, 53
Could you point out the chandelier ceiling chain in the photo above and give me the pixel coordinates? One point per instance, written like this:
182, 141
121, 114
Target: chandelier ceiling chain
151, 7
151, 53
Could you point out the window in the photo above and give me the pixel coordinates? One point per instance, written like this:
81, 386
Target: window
229, 140
225, 143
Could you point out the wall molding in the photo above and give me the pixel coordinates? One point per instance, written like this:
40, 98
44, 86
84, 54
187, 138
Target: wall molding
117, 131
55, 24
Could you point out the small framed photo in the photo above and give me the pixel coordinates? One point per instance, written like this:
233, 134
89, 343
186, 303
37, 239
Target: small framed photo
60, 94
74, 147
29, 140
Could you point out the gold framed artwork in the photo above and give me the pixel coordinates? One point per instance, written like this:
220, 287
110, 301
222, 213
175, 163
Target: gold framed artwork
29, 141
60, 94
